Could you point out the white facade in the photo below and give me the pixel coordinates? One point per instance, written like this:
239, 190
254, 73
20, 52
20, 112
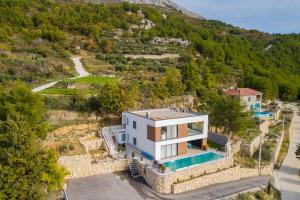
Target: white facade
140, 131
252, 102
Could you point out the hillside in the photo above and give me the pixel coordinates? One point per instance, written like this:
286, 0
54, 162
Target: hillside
160, 3
37, 38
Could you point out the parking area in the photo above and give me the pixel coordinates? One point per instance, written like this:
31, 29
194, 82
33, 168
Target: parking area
121, 186
117, 186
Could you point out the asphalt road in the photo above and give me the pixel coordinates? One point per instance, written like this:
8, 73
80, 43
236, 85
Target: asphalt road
289, 182
121, 186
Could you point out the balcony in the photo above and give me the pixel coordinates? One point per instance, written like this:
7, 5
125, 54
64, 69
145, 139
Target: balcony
192, 132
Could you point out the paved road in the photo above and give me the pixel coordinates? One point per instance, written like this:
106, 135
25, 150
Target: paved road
79, 69
121, 186
289, 182
43, 87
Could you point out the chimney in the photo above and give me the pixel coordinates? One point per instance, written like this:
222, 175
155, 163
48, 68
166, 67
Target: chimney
147, 114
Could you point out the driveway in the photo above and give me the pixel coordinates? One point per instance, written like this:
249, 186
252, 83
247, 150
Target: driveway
121, 186
289, 182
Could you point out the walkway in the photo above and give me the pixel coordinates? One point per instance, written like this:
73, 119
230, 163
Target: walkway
115, 186
79, 69
111, 145
289, 182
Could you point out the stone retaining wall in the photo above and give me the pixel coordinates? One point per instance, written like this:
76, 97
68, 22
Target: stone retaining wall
162, 183
251, 148
81, 166
231, 174
92, 142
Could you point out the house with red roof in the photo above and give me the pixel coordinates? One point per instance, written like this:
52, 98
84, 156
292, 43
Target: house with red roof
252, 99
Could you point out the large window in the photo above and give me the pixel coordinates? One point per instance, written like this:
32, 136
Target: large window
168, 132
168, 150
195, 128
123, 136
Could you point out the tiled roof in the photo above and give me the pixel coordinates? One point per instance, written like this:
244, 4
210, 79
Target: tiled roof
242, 92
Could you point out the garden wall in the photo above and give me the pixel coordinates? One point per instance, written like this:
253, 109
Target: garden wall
162, 182
251, 148
82, 166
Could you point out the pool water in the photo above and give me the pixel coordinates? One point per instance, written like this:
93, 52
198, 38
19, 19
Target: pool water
192, 160
263, 114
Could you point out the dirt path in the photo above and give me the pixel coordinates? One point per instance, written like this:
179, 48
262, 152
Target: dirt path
79, 69
163, 56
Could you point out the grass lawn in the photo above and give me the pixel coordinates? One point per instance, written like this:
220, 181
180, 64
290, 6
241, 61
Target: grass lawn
63, 91
96, 79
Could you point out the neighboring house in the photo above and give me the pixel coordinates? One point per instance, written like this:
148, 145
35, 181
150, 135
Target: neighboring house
162, 133
252, 99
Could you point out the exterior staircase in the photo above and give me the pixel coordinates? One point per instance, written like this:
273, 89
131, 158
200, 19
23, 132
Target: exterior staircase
133, 170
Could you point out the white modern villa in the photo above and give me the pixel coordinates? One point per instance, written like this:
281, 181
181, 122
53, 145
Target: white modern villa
252, 99
163, 133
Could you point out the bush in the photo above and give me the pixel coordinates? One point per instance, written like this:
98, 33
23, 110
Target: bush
65, 148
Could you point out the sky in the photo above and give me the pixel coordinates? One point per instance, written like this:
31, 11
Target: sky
272, 16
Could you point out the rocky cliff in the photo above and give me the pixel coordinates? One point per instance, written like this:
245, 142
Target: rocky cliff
161, 3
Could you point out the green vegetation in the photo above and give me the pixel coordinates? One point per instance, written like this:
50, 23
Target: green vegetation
113, 99
27, 171
37, 37
65, 91
228, 116
270, 194
95, 79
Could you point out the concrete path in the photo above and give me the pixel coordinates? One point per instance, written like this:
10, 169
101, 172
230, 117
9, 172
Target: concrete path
121, 186
43, 87
289, 181
79, 69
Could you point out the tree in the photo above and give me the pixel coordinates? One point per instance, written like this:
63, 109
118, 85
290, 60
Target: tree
114, 99
174, 84
191, 76
27, 171
160, 88
208, 79
227, 113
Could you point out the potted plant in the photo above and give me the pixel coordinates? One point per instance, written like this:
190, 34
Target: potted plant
205, 147
162, 168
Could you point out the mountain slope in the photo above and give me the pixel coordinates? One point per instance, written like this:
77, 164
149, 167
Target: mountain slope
160, 3
37, 37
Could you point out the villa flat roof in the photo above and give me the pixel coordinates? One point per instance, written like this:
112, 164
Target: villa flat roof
164, 114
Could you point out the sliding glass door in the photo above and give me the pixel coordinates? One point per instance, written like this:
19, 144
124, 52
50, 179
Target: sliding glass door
169, 150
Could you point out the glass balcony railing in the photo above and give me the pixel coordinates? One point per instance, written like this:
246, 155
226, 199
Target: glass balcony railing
192, 132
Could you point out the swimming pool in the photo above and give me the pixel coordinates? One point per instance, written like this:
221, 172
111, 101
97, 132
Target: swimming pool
192, 160
263, 114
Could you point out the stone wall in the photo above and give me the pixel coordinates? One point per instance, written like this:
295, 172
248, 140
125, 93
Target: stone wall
82, 166
162, 182
231, 174
191, 178
251, 148
236, 147
92, 142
